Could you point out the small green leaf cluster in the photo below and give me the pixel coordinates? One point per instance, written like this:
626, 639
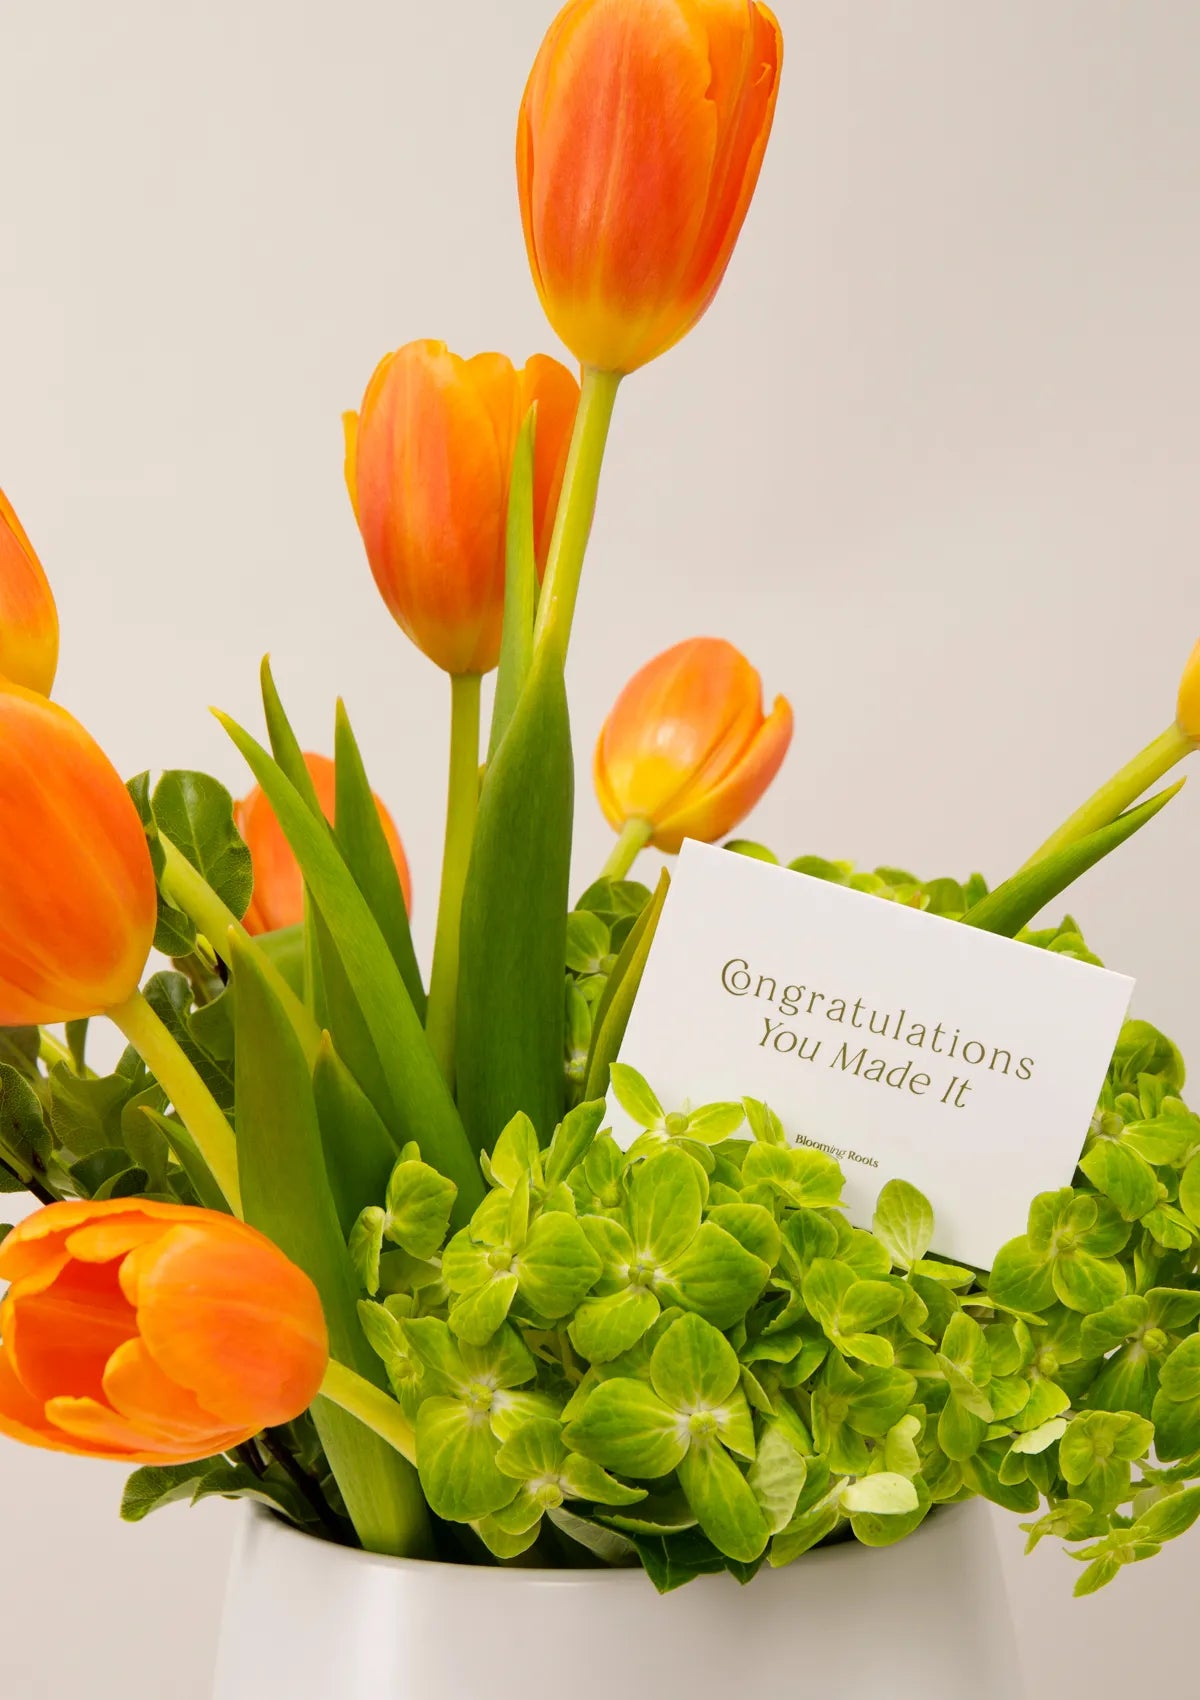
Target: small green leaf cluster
72, 1133
684, 1354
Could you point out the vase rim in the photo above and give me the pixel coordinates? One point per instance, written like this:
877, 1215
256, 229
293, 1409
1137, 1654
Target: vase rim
608, 1576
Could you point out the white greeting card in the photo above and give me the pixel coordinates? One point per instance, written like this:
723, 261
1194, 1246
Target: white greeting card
904, 1045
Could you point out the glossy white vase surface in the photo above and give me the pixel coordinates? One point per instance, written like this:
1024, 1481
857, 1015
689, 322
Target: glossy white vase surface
927, 1619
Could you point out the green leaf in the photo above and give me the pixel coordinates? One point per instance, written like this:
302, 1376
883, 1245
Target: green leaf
170, 997
25, 1143
196, 814
573, 1139
666, 1201
806, 1178
1180, 1378
605, 1544
366, 1246
154, 1486
603, 1328
1169, 1518
363, 843
754, 1229
456, 1455
715, 1276
883, 1494
1014, 904
626, 1427
904, 1222
285, 746
359, 1151
422, 1104
635, 1097
587, 942
1085, 1283
777, 1475
510, 1005
671, 1561
286, 1195
520, 585
1022, 1279
693, 1366
1120, 1174
187, 1154
174, 933
613, 1011
556, 1266
712, 1123
419, 1205
724, 1502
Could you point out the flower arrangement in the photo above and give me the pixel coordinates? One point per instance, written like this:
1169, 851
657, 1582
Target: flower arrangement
363, 1249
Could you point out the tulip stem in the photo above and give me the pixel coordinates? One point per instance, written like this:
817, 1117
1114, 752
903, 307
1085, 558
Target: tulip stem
1115, 796
462, 806
52, 1050
576, 506
635, 835
374, 1408
199, 1110
186, 887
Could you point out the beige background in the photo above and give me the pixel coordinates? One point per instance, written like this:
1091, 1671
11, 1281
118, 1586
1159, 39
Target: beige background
931, 461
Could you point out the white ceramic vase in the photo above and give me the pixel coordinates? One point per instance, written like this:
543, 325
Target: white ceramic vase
925, 1620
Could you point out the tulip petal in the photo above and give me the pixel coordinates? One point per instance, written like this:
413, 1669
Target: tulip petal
22, 1417
745, 87
77, 919
28, 617
617, 149
555, 391
678, 726
432, 490
137, 1390
92, 1427
59, 1338
714, 813
350, 440
44, 1234
232, 1320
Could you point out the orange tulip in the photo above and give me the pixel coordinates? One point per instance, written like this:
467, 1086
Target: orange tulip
641, 137
1187, 712
28, 617
278, 898
686, 748
153, 1333
77, 892
428, 464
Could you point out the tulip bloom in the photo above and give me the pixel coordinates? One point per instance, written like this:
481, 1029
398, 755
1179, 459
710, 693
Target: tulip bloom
152, 1333
428, 465
77, 891
686, 750
1187, 711
278, 897
28, 617
641, 137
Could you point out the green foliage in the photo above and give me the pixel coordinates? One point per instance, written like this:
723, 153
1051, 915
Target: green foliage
286, 1194
513, 944
195, 812
419, 1102
685, 1355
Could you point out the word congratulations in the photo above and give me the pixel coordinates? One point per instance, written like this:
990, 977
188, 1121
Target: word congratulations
897, 1026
